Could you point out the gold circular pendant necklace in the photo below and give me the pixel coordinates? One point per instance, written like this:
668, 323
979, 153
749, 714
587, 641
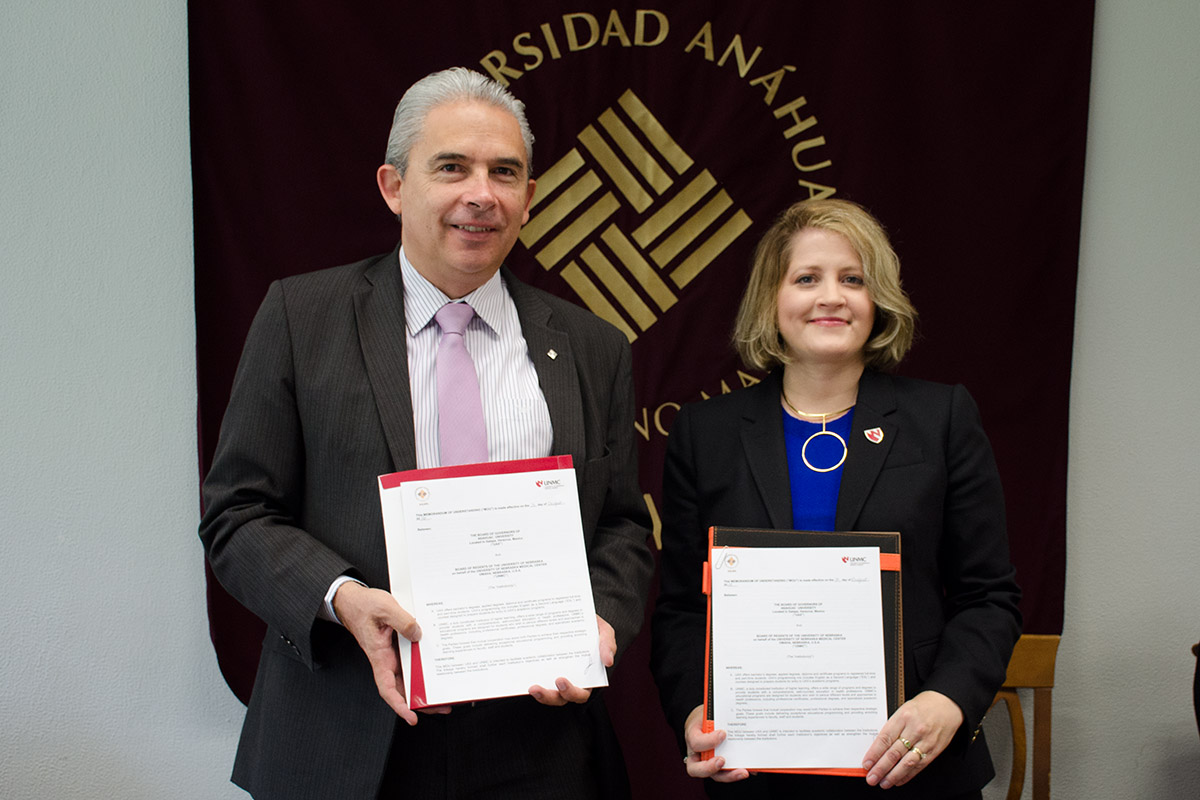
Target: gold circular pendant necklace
823, 432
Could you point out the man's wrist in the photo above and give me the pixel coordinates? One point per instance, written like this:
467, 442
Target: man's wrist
327, 611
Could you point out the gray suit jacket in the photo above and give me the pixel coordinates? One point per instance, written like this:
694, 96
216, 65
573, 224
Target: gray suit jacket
320, 407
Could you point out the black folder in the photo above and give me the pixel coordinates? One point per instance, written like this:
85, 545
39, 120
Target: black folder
892, 603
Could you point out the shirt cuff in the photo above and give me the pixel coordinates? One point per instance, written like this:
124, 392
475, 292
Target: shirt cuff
326, 611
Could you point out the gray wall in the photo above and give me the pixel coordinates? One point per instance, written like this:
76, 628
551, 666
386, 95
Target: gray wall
1123, 720
108, 686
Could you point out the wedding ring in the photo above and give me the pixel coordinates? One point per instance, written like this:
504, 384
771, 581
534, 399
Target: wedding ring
907, 744
920, 755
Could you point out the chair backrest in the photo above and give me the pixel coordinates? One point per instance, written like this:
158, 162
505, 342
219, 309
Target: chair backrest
1031, 667
1032, 662
1196, 684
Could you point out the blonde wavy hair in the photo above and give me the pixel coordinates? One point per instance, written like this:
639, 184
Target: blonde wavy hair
756, 330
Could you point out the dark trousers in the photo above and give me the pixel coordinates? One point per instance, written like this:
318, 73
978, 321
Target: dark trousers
510, 748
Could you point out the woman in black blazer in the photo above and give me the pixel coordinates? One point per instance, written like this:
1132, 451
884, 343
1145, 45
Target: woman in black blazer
825, 313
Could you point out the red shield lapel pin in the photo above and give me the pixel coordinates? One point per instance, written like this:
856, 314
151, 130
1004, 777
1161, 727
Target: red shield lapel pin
874, 435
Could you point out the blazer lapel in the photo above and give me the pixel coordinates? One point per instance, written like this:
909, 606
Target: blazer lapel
876, 400
554, 360
379, 312
766, 451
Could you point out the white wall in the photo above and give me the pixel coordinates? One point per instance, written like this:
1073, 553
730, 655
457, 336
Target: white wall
1124, 724
108, 686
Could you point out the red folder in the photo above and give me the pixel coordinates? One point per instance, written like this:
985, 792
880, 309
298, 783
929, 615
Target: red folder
394, 479
417, 698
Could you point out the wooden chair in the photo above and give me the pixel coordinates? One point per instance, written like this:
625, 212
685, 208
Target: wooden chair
1196, 684
1031, 667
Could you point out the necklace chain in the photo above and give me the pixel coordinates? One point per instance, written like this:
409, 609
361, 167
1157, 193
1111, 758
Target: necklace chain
824, 415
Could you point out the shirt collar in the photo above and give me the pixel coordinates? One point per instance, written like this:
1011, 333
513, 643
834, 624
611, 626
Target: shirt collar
422, 299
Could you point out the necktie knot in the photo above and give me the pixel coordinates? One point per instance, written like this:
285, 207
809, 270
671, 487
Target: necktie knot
454, 317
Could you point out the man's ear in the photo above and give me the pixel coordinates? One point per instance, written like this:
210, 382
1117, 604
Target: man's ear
529, 199
388, 178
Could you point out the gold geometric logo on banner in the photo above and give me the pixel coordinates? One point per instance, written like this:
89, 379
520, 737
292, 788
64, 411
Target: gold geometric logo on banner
684, 220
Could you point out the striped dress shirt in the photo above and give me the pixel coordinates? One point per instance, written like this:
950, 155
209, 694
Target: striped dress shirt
514, 409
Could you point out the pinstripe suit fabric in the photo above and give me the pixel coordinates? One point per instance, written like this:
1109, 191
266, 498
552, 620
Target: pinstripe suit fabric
321, 406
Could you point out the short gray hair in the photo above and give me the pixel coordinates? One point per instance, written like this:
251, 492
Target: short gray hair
448, 86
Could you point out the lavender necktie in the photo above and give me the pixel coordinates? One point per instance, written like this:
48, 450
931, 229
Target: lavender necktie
462, 434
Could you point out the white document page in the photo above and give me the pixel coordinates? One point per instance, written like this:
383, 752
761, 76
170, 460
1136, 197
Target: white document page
797, 655
494, 569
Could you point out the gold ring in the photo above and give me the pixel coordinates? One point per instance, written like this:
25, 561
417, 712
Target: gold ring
920, 755
907, 744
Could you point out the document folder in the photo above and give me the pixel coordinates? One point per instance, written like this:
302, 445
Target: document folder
490, 558
891, 610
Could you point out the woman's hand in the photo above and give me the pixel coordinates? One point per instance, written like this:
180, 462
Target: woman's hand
911, 739
698, 741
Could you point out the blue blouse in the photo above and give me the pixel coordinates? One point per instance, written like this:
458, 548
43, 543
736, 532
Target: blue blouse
814, 494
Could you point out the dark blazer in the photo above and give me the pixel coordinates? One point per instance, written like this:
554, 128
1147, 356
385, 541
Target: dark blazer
932, 478
320, 407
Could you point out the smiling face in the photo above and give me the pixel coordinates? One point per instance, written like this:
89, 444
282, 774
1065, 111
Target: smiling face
825, 311
464, 197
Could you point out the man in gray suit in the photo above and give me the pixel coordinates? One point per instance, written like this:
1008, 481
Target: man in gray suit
337, 385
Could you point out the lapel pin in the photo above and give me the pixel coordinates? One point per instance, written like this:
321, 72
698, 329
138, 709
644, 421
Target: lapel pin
552, 353
874, 435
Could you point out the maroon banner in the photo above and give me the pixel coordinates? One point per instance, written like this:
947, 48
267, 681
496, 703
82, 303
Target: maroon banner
668, 137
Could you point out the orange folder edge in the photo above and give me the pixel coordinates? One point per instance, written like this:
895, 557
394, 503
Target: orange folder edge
845, 773
706, 726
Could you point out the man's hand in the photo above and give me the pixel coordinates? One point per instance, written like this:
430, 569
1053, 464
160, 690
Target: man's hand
372, 615
697, 742
911, 739
567, 692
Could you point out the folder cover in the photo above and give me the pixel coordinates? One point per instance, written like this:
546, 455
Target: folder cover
892, 606
490, 558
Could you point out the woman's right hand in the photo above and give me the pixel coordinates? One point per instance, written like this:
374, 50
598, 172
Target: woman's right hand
697, 742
